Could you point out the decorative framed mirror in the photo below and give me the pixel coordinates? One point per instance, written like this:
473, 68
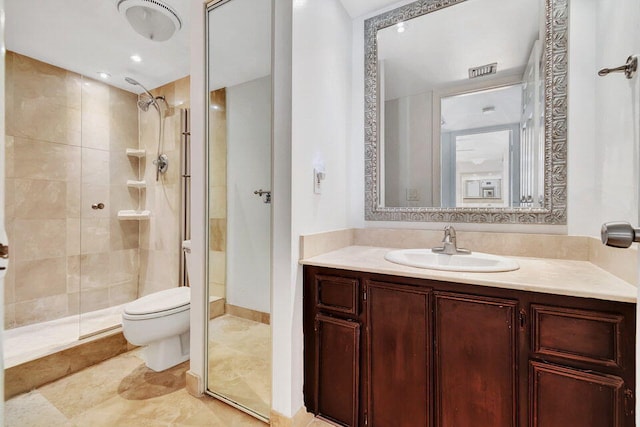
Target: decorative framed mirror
466, 112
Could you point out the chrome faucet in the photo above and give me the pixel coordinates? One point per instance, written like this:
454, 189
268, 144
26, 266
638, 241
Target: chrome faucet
449, 246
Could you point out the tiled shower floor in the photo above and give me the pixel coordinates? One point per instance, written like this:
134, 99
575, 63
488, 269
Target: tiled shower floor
32, 341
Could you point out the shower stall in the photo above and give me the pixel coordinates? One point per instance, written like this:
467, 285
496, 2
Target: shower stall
91, 225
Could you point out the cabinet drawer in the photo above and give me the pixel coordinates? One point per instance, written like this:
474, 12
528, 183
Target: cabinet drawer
580, 335
338, 294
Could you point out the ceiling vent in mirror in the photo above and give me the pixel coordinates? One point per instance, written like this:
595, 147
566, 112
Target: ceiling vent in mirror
483, 70
152, 19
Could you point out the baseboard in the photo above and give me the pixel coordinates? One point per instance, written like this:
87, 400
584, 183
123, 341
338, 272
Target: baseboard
216, 308
245, 313
302, 418
194, 385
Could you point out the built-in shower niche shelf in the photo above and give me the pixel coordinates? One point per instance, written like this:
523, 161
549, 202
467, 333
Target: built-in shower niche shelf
132, 215
135, 152
136, 184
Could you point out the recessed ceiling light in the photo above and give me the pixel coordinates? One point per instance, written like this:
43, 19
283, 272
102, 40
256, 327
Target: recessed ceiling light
104, 75
400, 27
136, 58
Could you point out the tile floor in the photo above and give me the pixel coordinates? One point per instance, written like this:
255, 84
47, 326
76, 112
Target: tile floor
123, 392
240, 362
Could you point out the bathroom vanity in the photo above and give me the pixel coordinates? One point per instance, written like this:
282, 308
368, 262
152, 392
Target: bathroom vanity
388, 345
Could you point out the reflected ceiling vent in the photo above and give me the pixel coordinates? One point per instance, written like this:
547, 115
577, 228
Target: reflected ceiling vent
152, 19
483, 70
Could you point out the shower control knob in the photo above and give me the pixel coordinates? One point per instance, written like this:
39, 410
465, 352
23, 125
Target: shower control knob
619, 234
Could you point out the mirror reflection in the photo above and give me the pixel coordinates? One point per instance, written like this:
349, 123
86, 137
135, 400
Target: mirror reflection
461, 107
239, 171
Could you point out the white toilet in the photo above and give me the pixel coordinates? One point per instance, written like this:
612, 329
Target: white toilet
160, 321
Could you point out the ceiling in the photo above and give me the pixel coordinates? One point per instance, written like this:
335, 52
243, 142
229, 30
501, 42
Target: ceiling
357, 8
465, 111
91, 36
436, 50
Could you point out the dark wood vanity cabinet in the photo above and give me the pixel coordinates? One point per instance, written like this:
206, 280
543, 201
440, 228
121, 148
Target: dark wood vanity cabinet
394, 351
476, 360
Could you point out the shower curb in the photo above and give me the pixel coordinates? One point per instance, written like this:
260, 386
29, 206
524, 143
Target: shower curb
43, 370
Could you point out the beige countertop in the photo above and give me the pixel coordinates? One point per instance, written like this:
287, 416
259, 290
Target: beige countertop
552, 276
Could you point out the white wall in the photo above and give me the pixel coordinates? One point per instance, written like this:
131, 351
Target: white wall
408, 149
248, 217
604, 115
321, 122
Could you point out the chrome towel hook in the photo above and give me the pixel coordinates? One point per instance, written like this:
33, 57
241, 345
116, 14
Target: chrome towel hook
629, 69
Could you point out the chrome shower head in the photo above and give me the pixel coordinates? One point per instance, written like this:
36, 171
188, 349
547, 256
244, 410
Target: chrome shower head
143, 104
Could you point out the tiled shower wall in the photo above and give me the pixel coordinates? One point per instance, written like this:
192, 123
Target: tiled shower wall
65, 150
217, 193
160, 246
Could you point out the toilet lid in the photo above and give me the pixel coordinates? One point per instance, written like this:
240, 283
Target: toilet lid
159, 302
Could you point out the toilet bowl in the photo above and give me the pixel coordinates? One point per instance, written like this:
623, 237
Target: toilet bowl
160, 321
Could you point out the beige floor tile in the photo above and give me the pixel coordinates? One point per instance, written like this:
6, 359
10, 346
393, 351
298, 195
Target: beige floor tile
122, 392
33, 410
239, 362
86, 389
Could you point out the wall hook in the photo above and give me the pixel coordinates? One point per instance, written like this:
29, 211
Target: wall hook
629, 69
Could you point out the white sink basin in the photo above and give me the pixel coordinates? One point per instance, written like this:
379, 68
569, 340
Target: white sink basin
474, 262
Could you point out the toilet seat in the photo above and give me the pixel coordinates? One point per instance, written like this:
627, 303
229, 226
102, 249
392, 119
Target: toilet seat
159, 304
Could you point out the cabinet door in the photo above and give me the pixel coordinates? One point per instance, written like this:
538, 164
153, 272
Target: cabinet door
475, 361
564, 397
337, 369
399, 356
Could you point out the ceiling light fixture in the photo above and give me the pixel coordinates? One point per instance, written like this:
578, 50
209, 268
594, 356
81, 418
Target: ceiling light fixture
104, 75
401, 27
136, 58
152, 19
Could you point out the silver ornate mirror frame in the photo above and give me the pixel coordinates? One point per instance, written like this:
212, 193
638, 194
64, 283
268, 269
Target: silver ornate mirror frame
555, 89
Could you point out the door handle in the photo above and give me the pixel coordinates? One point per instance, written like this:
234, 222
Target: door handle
266, 193
619, 234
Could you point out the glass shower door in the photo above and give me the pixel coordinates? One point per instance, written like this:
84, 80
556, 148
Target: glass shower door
109, 256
